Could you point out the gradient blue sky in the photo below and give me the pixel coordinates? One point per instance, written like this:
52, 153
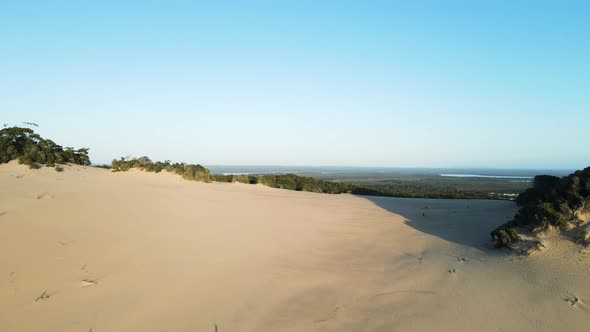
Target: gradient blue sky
363, 83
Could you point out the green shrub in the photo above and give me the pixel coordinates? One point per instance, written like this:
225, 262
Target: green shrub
504, 236
31, 149
221, 178
187, 171
552, 201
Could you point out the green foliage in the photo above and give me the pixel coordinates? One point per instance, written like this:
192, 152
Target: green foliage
552, 201
187, 171
195, 173
414, 190
221, 178
504, 236
296, 182
302, 183
31, 149
248, 179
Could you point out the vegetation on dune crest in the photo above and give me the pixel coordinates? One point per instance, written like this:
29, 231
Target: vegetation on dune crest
200, 173
24, 145
249, 179
187, 171
551, 202
296, 182
302, 183
31, 149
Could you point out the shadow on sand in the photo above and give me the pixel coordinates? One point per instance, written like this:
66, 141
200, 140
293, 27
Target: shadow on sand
465, 222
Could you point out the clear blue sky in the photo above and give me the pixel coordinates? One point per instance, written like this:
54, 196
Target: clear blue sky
363, 83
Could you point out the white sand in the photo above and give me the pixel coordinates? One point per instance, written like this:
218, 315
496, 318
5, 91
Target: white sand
150, 252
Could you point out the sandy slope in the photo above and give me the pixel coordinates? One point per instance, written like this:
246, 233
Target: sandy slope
151, 252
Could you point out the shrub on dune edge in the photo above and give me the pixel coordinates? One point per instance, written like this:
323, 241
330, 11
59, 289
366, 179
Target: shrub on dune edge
29, 148
505, 236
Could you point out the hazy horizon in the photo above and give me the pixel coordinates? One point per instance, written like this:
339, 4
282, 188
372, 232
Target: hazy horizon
365, 84
442, 171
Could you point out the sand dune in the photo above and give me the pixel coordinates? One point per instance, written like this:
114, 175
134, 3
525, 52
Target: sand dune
90, 249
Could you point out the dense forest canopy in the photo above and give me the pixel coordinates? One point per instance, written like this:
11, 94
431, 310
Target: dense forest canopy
551, 202
24, 145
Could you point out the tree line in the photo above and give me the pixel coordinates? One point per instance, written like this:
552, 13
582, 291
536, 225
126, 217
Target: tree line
296, 182
29, 148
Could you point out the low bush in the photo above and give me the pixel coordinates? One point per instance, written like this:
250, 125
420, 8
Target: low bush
504, 236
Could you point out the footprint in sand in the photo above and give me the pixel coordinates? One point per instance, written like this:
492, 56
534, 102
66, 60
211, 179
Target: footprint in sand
3, 213
88, 282
417, 257
573, 300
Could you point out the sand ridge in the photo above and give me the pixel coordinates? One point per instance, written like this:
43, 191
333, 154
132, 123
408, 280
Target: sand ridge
90, 249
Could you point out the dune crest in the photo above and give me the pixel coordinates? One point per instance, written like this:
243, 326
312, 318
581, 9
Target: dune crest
140, 251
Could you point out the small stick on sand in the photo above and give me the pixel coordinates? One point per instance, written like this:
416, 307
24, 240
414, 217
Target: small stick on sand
90, 281
3, 213
43, 296
42, 195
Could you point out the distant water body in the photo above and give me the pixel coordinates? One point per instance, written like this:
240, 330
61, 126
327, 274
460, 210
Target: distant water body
489, 176
515, 175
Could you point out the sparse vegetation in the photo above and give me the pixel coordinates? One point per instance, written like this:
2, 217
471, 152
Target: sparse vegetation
187, 171
583, 237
